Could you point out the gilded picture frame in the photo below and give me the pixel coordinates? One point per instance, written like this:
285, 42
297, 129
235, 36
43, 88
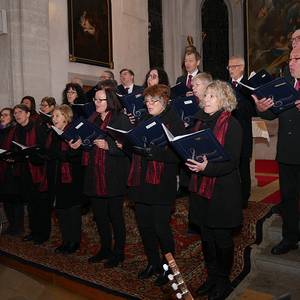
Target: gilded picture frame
270, 25
90, 37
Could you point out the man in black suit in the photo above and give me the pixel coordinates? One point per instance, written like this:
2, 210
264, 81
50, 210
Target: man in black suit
127, 85
191, 62
288, 158
244, 112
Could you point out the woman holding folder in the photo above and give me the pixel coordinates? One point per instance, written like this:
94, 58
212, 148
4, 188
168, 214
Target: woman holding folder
10, 189
152, 185
29, 172
107, 169
215, 200
63, 180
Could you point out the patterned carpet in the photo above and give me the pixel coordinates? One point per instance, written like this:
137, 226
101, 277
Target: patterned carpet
122, 281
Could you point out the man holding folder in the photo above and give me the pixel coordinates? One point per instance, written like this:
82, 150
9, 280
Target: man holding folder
288, 158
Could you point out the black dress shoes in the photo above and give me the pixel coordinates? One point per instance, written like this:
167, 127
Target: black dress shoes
62, 247
283, 247
149, 271
114, 260
29, 237
39, 241
162, 278
72, 248
102, 254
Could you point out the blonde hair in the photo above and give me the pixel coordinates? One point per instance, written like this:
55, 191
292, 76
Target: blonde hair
204, 77
224, 94
66, 111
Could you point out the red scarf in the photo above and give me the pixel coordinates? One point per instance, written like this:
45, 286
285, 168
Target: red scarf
99, 158
30, 141
208, 183
66, 167
154, 171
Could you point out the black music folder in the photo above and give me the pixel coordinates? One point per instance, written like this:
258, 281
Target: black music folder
84, 110
38, 151
283, 94
10, 154
46, 117
186, 108
150, 131
195, 145
122, 89
134, 103
261, 78
84, 130
180, 89
238, 94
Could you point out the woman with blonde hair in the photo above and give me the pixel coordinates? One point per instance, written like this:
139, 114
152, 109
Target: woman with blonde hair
215, 200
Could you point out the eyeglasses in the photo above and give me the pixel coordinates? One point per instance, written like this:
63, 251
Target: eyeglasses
71, 92
44, 105
152, 76
104, 77
296, 39
232, 67
4, 115
150, 101
16, 113
295, 59
99, 100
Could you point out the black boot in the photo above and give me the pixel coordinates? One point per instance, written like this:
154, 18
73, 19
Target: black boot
18, 208
209, 253
9, 212
222, 287
103, 253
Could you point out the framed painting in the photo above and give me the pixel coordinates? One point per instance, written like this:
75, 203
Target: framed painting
270, 25
90, 39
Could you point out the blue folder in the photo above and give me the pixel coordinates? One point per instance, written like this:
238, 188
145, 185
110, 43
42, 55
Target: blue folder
186, 108
283, 94
85, 131
260, 78
180, 89
134, 103
83, 110
150, 131
195, 145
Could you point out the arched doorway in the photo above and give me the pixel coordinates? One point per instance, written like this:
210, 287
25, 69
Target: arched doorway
214, 16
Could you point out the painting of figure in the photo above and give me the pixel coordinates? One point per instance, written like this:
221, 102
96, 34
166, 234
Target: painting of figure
270, 25
90, 32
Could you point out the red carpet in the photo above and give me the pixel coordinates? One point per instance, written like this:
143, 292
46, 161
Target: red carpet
266, 166
122, 281
264, 180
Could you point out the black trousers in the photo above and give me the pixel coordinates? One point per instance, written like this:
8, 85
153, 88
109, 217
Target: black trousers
69, 220
40, 218
155, 228
289, 181
110, 211
244, 170
222, 236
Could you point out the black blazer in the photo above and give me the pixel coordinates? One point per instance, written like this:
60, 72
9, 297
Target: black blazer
244, 112
183, 78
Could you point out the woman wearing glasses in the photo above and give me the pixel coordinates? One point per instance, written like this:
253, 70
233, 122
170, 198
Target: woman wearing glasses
10, 185
152, 185
73, 94
29, 172
107, 169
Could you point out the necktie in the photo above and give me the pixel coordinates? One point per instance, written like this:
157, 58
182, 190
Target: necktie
189, 81
127, 89
297, 84
234, 83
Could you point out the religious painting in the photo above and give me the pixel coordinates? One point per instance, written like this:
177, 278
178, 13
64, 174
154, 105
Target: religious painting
270, 25
90, 39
